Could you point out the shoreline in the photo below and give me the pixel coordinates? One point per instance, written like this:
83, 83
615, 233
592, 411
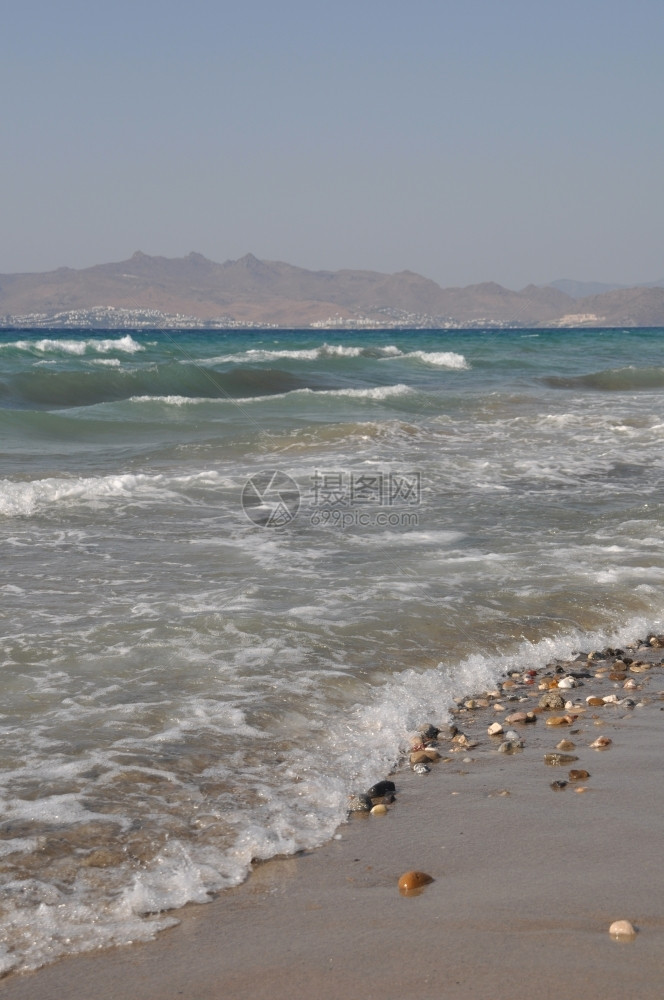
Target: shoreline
527, 880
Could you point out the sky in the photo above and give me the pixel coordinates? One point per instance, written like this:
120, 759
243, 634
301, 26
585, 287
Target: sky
466, 140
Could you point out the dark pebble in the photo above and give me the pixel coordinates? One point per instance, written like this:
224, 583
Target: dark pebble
381, 788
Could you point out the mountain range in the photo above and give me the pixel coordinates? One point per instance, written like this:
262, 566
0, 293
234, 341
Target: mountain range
195, 291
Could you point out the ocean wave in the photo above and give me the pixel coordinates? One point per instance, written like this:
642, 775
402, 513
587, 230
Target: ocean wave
41, 388
126, 345
377, 392
627, 379
444, 359
308, 354
23, 499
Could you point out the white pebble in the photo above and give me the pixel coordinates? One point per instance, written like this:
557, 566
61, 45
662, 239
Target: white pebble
622, 928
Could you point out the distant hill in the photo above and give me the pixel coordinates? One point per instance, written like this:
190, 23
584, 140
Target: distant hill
194, 291
582, 289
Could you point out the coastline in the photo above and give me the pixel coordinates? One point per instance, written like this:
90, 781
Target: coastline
525, 884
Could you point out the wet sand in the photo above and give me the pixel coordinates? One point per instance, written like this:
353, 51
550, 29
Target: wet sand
526, 884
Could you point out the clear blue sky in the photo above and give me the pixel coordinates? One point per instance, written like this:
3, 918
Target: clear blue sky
468, 140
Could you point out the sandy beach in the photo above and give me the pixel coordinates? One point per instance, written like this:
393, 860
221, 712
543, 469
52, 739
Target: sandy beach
527, 879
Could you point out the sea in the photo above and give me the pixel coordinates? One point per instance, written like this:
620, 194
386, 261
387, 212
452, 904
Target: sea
239, 568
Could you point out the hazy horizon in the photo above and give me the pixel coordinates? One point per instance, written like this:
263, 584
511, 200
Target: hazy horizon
487, 142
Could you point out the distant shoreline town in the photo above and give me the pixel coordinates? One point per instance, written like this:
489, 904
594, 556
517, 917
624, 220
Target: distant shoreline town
193, 292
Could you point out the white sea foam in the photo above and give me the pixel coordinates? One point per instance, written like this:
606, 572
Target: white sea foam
126, 345
26, 498
377, 393
443, 359
174, 400
306, 354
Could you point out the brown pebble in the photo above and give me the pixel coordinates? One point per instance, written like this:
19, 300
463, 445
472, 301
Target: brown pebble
559, 720
581, 789
601, 743
419, 757
379, 810
595, 702
413, 880
566, 745
578, 775
520, 717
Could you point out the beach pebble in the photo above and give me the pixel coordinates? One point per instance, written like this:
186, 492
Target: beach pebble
559, 720
595, 702
359, 803
381, 788
513, 736
611, 699
622, 929
419, 757
495, 729
578, 775
421, 768
631, 685
448, 731
565, 745
510, 746
379, 810
601, 743
567, 682
414, 880
556, 759
552, 700
429, 731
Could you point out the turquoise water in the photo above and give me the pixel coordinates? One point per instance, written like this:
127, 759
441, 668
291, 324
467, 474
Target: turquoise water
237, 568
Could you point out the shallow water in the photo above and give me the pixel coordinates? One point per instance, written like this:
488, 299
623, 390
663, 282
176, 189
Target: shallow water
237, 568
